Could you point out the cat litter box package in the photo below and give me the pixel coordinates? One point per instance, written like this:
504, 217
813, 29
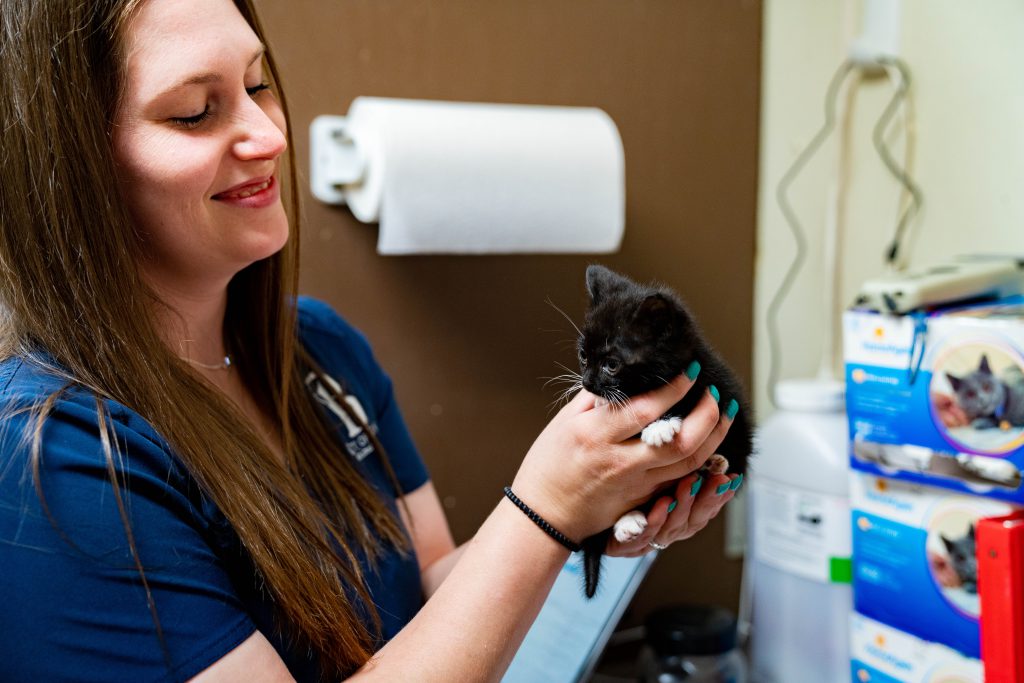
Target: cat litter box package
883, 654
914, 558
938, 398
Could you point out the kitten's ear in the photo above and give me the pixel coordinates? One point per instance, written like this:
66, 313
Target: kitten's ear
984, 366
655, 312
601, 282
954, 381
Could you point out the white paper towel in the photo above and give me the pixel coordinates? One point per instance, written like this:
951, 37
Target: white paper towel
453, 177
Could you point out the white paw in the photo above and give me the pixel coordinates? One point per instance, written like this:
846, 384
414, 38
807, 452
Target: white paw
661, 431
630, 526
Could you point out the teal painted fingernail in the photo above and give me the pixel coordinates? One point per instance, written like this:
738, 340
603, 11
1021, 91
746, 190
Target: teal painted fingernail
672, 505
723, 488
714, 392
696, 486
693, 370
736, 482
732, 409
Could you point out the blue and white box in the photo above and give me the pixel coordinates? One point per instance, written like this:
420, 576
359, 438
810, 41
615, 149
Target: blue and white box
914, 559
882, 654
939, 399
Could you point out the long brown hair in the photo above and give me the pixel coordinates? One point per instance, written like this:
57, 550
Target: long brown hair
70, 287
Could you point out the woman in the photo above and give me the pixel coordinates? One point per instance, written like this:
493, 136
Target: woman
198, 477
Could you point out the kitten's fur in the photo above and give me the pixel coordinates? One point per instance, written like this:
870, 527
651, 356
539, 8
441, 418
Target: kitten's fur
963, 559
636, 338
989, 400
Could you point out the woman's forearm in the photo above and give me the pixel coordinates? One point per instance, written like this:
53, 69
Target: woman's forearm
475, 621
434, 575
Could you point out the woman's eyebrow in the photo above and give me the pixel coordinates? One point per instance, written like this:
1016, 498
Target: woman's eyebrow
208, 76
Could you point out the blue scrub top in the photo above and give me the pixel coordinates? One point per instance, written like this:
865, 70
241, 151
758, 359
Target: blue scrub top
73, 605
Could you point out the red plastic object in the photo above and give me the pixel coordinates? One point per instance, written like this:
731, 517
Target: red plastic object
1000, 551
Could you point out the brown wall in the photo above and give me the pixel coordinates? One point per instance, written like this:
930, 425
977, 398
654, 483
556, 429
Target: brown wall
468, 340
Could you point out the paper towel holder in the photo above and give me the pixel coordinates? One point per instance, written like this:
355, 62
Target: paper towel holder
337, 160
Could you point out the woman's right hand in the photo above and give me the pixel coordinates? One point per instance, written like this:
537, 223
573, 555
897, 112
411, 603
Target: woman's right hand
586, 468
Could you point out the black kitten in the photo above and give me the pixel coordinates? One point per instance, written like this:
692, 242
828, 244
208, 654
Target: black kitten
636, 338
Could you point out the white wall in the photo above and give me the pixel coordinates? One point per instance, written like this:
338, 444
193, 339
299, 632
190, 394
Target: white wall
967, 65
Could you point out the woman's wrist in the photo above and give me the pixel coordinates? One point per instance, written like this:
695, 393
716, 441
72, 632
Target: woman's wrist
543, 524
560, 511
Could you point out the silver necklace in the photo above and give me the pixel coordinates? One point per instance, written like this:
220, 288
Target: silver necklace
223, 365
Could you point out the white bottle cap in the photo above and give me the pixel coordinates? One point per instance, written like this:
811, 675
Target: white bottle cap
811, 395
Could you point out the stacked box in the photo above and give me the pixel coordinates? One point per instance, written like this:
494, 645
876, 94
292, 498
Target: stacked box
882, 654
936, 409
914, 562
938, 399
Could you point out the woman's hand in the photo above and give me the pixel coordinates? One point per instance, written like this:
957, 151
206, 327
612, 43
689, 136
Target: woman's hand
696, 503
586, 468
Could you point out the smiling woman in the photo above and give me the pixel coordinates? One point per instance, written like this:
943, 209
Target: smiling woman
203, 475
125, 223
197, 139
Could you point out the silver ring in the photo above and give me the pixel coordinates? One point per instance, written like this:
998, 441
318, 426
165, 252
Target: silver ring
657, 546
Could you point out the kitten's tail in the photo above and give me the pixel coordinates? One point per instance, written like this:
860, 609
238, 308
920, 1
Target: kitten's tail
593, 549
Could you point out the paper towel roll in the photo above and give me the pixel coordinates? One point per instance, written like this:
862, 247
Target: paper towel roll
453, 177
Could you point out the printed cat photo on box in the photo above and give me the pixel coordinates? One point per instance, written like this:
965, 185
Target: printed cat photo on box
977, 395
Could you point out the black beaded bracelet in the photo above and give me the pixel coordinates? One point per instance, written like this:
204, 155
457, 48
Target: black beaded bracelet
541, 522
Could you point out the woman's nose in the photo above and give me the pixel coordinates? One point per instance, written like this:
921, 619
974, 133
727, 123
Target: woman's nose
262, 132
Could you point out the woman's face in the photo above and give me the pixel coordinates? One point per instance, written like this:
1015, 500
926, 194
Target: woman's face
197, 140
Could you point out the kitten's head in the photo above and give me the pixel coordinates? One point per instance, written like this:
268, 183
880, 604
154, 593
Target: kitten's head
979, 392
962, 555
635, 338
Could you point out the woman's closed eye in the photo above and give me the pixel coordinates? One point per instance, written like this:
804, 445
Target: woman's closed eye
192, 121
256, 89
196, 119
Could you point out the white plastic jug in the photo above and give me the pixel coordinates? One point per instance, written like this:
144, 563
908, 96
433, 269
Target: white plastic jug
799, 571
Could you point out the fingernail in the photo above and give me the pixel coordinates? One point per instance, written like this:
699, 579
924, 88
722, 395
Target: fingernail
696, 486
723, 488
672, 505
736, 483
714, 392
693, 370
732, 409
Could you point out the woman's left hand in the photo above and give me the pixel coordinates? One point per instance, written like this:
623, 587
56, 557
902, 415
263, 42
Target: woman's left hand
695, 506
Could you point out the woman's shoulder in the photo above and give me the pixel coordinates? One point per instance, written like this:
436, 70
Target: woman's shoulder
22, 377
318, 318
71, 428
78, 443
27, 383
326, 334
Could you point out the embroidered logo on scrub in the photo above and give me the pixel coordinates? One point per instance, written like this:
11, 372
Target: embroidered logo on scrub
357, 442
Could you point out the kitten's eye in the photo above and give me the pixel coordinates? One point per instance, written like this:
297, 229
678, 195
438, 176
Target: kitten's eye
611, 366
583, 358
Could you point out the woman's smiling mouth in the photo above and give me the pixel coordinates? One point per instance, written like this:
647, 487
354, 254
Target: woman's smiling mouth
253, 194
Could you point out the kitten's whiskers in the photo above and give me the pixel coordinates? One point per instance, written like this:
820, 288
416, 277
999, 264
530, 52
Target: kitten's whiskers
565, 315
618, 400
573, 379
